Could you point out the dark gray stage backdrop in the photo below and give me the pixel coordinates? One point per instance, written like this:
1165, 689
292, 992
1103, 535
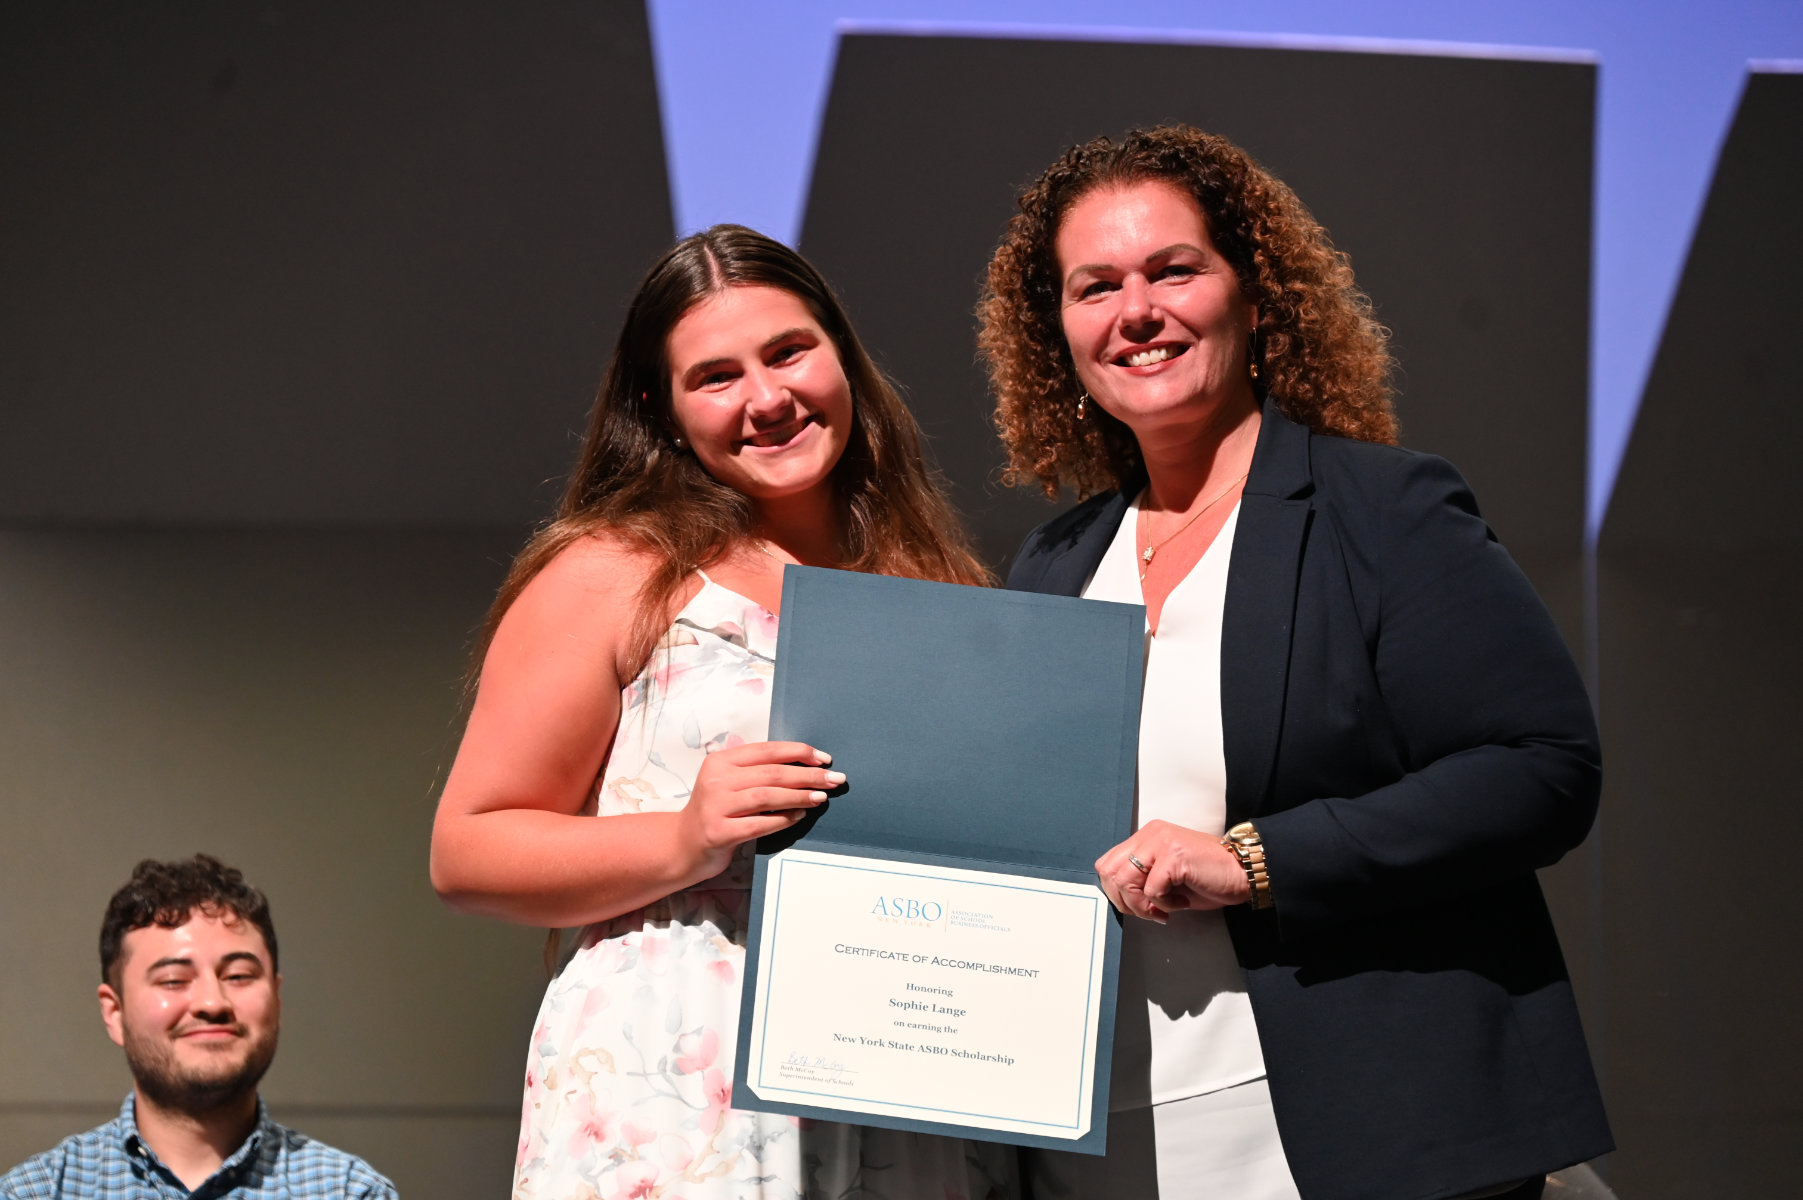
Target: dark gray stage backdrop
1460, 187
303, 304
1700, 592
342, 263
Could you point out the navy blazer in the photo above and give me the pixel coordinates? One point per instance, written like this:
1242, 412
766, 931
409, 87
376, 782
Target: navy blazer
1406, 728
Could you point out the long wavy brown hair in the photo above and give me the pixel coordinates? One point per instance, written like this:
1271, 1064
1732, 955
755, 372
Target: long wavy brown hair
633, 483
1321, 355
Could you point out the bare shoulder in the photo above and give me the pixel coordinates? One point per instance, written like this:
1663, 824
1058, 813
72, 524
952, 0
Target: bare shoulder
578, 608
598, 567
548, 700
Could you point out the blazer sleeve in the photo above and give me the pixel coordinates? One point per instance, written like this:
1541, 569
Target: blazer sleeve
1491, 722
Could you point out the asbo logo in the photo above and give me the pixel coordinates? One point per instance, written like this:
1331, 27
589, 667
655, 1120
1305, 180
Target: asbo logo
903, 908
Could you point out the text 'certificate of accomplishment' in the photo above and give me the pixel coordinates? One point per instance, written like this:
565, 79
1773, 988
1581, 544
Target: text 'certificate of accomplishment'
929, 993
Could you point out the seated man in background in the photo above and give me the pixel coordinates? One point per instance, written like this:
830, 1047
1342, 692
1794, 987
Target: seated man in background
190, 990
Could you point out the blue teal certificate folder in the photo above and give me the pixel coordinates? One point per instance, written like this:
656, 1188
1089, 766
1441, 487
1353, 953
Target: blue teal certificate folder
989, 739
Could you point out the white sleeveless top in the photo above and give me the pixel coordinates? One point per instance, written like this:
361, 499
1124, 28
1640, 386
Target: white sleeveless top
1198, 1035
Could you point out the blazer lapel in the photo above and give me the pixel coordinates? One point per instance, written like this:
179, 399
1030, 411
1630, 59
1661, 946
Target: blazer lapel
1076, 559
1260, 609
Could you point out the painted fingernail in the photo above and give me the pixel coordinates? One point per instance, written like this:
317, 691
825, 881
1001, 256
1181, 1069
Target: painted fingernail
835, 777
816, 796
822, 757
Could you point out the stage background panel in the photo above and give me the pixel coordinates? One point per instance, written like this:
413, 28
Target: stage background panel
1700, 573
1461, 188
315, 263
306, 306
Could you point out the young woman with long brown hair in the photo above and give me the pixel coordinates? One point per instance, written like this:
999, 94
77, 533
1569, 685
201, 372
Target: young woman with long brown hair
615, 769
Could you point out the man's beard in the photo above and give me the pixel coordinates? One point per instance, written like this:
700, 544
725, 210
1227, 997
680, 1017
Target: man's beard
195, 1090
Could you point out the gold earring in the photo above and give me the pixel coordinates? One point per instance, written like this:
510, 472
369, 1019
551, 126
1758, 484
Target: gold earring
1252, 352
1082, 399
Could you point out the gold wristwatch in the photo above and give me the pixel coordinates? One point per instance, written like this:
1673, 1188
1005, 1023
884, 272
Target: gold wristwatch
1249, 848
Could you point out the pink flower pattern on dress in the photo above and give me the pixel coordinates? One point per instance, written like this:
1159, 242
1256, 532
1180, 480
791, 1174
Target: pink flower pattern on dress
696, 1051
717, 1091
635, 1181
588, 1127
629, 1081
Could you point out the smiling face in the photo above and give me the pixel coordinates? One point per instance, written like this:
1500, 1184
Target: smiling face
197, 1008
758, 392
1153, 314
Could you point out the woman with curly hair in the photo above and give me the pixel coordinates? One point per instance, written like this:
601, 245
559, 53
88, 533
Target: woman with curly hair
615, 769
1361, 733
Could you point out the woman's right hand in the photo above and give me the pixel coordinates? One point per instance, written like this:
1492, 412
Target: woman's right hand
748, 791
516, 836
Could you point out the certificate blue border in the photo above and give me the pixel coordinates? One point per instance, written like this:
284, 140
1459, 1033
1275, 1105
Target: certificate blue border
1093, 1142
767, 979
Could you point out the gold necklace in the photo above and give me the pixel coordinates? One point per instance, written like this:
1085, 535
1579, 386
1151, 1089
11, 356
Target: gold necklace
1146, 555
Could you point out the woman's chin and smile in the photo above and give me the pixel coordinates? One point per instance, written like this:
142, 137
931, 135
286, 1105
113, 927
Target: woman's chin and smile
786, 460
780, 439
1157, 389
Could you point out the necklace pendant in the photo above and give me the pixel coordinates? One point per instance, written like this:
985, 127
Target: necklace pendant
1149, 552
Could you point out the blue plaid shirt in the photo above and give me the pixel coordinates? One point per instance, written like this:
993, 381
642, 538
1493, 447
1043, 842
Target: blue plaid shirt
113, 1163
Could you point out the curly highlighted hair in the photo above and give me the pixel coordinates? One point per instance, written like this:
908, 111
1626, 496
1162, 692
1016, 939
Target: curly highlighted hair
1320, 353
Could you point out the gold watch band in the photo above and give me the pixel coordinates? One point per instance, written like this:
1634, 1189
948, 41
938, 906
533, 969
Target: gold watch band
1249, 848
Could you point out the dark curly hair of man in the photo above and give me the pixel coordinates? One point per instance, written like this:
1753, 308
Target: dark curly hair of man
168, 893
1321, 355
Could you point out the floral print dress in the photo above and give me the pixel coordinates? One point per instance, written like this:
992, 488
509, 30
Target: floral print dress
629, 1074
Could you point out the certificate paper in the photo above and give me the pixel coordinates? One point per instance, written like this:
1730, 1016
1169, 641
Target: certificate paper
929, 993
